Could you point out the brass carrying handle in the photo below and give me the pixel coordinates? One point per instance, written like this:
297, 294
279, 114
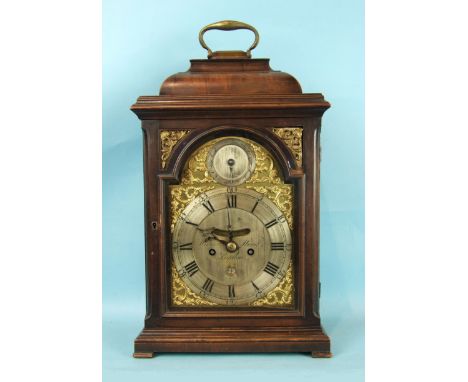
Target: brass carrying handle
228, 25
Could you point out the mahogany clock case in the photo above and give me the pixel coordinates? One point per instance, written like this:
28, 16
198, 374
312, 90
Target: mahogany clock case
231, 97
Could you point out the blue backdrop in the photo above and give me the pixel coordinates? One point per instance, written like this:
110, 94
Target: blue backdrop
321, 43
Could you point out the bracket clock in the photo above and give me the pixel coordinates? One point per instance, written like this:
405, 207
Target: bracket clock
231, 172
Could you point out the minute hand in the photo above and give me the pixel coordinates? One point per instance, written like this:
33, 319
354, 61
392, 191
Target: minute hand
239, 232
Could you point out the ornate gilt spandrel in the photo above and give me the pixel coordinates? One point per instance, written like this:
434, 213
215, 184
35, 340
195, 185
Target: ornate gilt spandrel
292, 137
168, 140
182, 295
267, 180
282, 295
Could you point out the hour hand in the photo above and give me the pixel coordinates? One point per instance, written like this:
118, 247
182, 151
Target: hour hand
239, 232
215, 237
211, 234
207, 231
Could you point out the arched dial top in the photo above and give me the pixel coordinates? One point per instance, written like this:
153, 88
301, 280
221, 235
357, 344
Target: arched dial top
231, 162
231, 246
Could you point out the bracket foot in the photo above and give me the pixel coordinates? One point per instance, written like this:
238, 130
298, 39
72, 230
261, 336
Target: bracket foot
140, 354
321, 354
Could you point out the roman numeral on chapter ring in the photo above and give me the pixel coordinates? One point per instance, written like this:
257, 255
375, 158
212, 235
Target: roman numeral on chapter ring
209, 206
185, 247
191, 268
256, 287
232, 294
271, 223
271, 269
208, 285
232, 200
255, 206
277, 246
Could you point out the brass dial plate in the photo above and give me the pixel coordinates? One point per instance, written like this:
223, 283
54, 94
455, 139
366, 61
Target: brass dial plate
266, 180
232, 247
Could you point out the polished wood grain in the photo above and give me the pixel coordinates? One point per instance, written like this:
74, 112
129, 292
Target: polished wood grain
233, 340
242, 98
229, 76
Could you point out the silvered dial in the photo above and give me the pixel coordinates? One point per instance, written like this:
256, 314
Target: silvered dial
231, 246
231, 162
